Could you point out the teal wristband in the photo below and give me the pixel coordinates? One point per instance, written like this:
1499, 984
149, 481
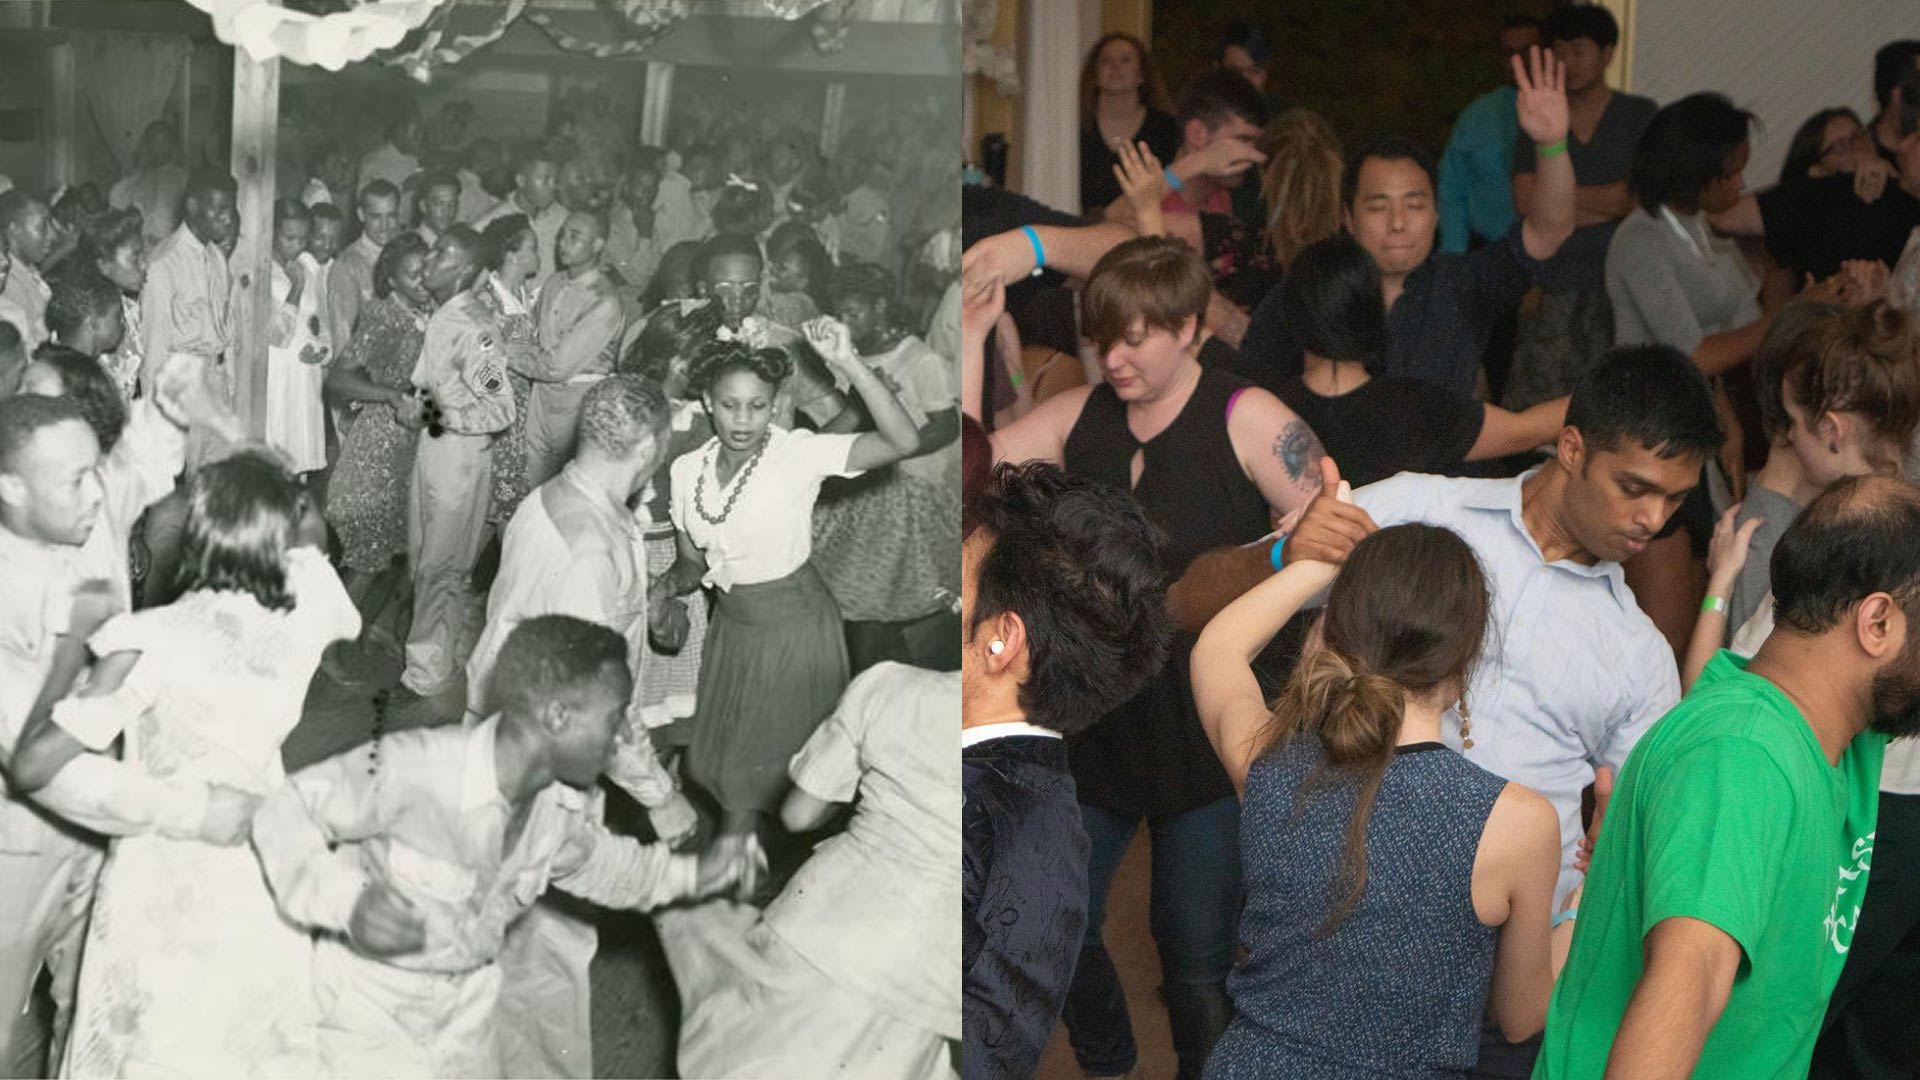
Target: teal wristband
1173, 181
1274, 555
1566, 916
1039, 252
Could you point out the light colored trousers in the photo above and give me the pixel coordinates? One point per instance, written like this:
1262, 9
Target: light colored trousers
545, 1018
446, 522
377, 1020
553, 427
44, 899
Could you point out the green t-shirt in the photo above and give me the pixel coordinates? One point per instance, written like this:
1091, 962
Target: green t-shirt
1727, 812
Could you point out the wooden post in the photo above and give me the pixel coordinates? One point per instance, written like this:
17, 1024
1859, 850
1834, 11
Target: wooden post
834, 123
256, 118
654, 101
62, 116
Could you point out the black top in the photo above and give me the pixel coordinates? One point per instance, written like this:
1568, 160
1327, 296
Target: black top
1581, 263
1237, 258
1098, 187
1023, 900
1389, 426
1813, 225
1438, 330
1150, 757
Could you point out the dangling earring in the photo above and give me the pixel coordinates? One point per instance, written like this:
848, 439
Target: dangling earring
1466, 724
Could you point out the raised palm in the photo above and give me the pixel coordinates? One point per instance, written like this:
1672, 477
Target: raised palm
1542, 102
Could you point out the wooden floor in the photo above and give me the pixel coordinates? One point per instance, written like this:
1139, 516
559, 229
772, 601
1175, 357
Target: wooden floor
1131, 945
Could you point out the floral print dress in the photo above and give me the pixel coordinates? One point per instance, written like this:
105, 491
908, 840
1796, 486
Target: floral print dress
367, 498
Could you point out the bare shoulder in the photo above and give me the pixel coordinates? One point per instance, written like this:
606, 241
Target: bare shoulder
1522, 822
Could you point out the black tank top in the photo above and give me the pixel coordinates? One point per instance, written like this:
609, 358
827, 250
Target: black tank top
1150, 756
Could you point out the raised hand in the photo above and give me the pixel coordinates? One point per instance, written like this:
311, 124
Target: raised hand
1004, 257
1224, 159
830, 338
1727, 552
1542, 101
1602, 793
1870, 175
385, 923
980, 308
1331, 526
1144, 180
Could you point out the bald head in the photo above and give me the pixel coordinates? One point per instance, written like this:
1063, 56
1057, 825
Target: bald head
1854, 541
582, 239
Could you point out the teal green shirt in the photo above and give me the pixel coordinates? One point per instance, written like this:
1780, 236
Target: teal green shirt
1476, 172
1727, 812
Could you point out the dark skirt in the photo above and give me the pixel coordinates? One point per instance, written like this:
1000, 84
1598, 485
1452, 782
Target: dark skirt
773, 666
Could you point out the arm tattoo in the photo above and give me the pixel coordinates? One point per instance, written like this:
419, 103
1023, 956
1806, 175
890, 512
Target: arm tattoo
1299, 452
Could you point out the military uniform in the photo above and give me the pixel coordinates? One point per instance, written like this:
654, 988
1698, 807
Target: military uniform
463, 367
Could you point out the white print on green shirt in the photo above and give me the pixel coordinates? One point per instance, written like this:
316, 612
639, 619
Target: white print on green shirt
1851, 881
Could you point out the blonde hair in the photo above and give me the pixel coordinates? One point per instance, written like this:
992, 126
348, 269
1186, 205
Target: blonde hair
1301, 187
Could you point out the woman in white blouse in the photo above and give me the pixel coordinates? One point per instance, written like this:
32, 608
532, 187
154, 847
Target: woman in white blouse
297, 347
774, 661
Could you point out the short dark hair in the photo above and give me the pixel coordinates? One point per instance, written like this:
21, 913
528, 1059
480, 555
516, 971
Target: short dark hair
1520, 22
22, 416
1080, 564
326, 211
110, 232
861, 280
242, 515
1855, 539
1384, 148
400, 247
1331, 300
203, 182
14, 204
798, 238
670, 333
377, 189
467, 240
723, 245
1803, 151
433, 178
1685, 148
1214, 97
1650, 396
1249, 37
501, 236
552, 655
85, 383
78, 297
1890, 62
1570, 22
285, 210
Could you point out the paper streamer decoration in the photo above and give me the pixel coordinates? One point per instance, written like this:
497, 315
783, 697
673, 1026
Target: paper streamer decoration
267, 30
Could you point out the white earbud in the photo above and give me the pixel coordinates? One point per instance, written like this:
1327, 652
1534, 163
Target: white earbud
996, 647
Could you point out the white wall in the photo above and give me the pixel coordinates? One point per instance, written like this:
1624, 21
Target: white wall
1783, 59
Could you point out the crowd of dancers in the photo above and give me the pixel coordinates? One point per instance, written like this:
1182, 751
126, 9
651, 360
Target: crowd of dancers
1490, 582
641, 480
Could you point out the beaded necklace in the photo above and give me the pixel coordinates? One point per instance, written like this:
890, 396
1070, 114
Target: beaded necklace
739, 482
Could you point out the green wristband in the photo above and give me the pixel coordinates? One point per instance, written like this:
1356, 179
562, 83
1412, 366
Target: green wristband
1552, 149
1714, 603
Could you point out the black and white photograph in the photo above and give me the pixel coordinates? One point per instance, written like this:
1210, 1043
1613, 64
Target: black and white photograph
480, 573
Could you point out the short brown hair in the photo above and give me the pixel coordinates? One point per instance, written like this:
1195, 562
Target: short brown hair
1864, 361
1156, 279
